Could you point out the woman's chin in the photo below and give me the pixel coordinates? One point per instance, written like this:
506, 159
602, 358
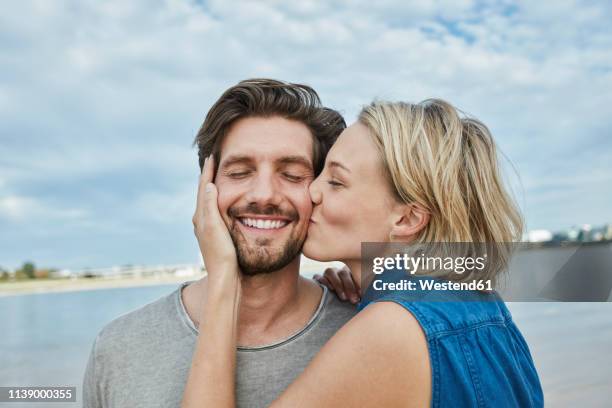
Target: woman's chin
314, 251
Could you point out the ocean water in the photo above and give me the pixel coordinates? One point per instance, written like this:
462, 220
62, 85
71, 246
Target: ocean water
45, 339
571, 344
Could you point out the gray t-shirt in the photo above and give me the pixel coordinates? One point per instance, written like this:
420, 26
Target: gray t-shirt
142, 358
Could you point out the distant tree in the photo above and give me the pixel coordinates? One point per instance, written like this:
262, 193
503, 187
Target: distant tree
41, 273
28, 269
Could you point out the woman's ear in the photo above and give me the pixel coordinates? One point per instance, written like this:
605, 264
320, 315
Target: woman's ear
410, 219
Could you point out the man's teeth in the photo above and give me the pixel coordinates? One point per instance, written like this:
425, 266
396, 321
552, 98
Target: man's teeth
263, 224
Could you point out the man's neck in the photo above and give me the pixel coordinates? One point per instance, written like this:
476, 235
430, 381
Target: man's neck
273, 305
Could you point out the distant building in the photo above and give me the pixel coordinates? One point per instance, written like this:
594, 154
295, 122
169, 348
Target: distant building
62, 273
539, 236
187, 271
608, 232
582, 233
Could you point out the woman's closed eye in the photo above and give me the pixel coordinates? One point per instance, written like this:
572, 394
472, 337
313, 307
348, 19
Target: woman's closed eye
334, 183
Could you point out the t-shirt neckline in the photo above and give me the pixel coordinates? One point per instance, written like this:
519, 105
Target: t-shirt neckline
184, 316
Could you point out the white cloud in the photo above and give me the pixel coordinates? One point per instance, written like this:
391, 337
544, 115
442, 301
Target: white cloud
107, 96
31, 210
167, 207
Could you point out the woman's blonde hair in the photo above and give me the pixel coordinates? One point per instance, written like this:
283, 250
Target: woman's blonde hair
447, 163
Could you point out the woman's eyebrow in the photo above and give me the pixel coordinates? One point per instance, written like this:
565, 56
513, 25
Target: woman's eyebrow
339, 165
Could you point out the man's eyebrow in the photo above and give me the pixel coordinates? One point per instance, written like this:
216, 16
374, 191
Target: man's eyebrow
296, 160
236, 159
338, 164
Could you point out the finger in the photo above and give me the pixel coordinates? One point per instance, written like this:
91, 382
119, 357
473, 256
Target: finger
208, 170
323, 281
356, 283
332, 276
211, 207
200, 199
204, 190
349, 285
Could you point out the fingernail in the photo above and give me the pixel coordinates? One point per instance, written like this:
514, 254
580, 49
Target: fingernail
209, 187
354, 299
342, 296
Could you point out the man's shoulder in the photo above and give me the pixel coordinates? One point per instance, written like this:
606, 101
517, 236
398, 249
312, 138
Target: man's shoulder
336, 310
142, 357
333, 302
145, 323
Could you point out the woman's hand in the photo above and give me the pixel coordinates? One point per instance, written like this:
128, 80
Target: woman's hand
213, 368
213, 236
340, 281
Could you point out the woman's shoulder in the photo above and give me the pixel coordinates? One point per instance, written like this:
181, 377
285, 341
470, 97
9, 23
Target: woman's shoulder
386, 328
441, 314
387, 321
396, 337
383, 347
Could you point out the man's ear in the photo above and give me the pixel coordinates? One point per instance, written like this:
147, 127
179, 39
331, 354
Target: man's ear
410, 219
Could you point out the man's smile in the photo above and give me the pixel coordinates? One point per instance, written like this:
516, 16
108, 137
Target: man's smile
263, 224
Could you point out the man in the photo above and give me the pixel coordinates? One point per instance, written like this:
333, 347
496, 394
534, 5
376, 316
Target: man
269, 139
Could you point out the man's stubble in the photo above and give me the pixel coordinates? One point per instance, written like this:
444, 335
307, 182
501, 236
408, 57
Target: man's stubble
259, 257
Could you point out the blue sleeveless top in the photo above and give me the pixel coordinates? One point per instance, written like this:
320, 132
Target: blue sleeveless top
478, 356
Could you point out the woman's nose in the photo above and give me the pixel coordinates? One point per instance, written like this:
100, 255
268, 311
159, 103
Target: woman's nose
315, 191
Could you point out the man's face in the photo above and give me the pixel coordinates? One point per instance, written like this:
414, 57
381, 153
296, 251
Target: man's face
264, 171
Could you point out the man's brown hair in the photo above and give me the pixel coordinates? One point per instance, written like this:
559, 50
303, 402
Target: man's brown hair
265, 98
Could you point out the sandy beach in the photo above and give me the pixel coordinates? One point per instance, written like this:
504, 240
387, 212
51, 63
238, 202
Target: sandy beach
24, 287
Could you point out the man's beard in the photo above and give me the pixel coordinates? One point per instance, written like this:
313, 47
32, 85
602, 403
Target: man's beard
258, 258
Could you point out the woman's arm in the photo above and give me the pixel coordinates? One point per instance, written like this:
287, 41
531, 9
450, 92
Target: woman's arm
378, 359
211, 381
211, 378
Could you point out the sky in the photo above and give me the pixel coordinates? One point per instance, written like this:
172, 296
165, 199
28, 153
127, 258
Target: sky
100, 103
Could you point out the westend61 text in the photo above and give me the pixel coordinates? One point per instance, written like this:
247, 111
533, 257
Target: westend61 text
426, 285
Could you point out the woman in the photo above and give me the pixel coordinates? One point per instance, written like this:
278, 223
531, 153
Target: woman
405, 173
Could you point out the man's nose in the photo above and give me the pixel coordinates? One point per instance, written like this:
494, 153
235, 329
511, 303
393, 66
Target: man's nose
264, 190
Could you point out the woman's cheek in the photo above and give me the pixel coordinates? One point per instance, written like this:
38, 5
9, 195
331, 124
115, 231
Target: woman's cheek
341, 217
